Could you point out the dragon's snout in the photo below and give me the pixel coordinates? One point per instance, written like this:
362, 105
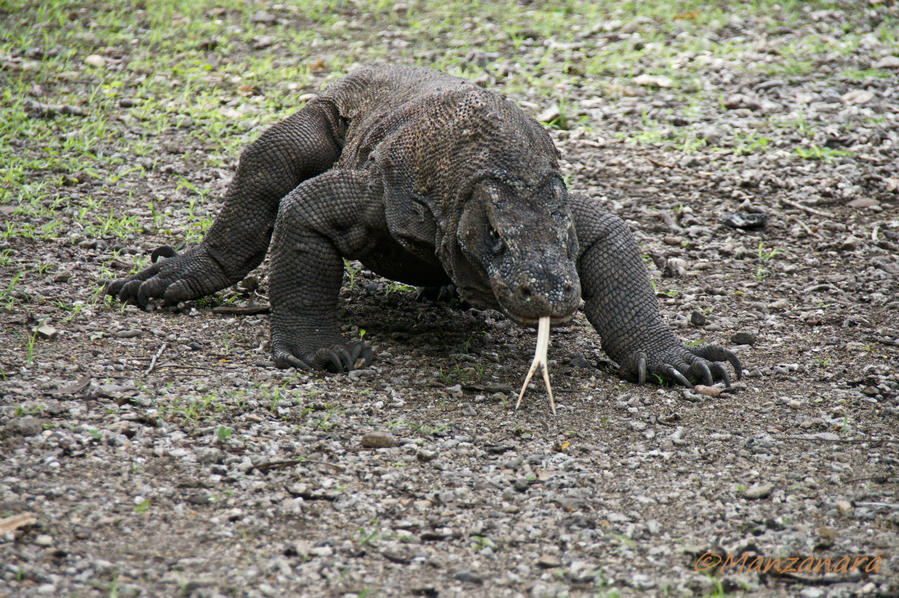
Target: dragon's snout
539, 292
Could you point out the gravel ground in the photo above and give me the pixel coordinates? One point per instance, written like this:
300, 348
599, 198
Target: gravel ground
161, 453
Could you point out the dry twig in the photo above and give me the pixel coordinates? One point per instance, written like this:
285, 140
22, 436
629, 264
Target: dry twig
155, 357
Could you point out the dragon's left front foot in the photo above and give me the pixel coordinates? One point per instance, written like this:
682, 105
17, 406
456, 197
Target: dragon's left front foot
681, 365
299, 348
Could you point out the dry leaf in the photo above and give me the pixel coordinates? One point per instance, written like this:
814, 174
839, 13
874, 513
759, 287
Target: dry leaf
690, 15
709, 391
248, 90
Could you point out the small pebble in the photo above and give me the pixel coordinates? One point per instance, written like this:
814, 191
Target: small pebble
887, 62
757, 491
425, 456
826, 537
548, 561
46, 331
131, 333
746, 220
743, 338
95, 60
549, 114
378, 439
579, 361
322, 551
863, 202
27, 425
469, 577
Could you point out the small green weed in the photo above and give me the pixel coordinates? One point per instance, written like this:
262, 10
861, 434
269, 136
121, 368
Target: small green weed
395, 287
815, 152
364, 536
747, 143
223, 433
352, 270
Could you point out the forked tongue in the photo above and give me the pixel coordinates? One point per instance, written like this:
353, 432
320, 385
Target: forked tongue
540, 362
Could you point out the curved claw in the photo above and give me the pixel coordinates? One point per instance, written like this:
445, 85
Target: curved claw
114, 286
702, 369
680, 378
719, 353
334, 359
442, 293
360, 355
365, 356
641, 368
355, 349
284, 360
346, 361
331, 360
145, 292
165, 251
128, 291
125, 289
719, 372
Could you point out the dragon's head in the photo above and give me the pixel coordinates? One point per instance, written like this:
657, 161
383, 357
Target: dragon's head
523, 239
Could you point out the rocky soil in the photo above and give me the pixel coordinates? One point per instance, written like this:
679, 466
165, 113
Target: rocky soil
161, 453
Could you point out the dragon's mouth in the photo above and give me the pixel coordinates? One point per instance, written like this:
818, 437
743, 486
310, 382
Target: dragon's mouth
530, 312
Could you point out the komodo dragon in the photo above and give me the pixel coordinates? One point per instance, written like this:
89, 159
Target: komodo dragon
429, 180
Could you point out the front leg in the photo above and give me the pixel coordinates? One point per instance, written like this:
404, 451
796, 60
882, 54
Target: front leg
323, 220
302, 146
620, 303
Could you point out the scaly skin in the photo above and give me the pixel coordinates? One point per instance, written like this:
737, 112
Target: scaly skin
429, 180
620, 303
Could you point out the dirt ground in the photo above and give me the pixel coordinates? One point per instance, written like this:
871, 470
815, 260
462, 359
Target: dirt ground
161, 453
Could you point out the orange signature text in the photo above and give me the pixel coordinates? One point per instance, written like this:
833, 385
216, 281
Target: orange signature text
813, 565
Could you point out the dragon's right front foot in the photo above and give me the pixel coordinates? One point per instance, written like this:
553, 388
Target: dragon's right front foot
191, 274
676, 363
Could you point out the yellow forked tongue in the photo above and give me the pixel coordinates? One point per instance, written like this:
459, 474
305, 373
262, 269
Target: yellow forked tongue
540, 362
